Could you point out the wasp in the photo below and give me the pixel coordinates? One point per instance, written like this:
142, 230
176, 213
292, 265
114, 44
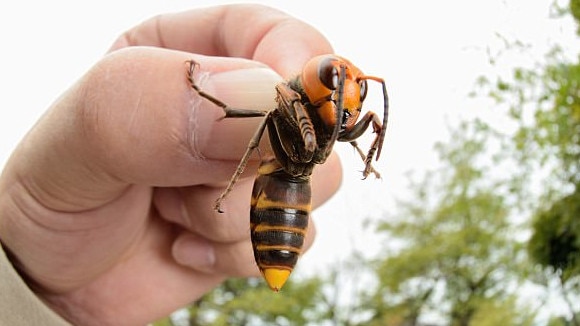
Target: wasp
315, 109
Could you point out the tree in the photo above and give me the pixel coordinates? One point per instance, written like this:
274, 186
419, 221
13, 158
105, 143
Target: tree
303, 301
544, 101
250, 302
457, 256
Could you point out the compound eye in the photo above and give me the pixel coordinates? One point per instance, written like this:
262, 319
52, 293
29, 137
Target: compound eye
363, 89
328, 74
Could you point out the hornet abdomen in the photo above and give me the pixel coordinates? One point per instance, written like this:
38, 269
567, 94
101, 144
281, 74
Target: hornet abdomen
280, 208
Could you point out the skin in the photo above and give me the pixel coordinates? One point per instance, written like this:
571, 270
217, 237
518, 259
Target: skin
106, 206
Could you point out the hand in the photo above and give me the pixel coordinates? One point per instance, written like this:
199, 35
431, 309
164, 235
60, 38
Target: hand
106, 207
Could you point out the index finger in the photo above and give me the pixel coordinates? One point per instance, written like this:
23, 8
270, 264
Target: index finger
247, 30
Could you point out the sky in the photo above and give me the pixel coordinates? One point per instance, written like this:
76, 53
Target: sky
429, 52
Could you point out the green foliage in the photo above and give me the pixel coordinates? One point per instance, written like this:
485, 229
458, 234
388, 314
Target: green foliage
544, 103
575, 10
457, 253
164, 322
560, 321
502, 312
556, 129
242, 302
556, 236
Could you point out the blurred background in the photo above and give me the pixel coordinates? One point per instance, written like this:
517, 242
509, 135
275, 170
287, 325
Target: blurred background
476, 220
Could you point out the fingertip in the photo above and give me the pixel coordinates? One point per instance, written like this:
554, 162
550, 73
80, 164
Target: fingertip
194, 252
271, 36
326, 180
301, 43
219, 258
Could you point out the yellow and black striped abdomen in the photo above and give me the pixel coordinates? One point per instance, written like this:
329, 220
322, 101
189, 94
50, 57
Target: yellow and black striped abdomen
279, 216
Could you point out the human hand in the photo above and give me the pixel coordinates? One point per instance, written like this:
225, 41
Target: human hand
106, 206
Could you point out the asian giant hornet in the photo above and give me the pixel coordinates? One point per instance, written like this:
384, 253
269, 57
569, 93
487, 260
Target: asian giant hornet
314, 109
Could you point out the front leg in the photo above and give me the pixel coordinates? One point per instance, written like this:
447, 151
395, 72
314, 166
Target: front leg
368, 168
357, 130
296, 116
254, 143
229, 111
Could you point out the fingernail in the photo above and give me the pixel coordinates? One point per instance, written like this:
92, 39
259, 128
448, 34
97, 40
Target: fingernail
194, 252
253, 88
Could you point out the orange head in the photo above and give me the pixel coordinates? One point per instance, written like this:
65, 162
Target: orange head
321, 82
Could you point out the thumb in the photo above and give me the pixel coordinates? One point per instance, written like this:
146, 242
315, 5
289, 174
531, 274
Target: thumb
133, 119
